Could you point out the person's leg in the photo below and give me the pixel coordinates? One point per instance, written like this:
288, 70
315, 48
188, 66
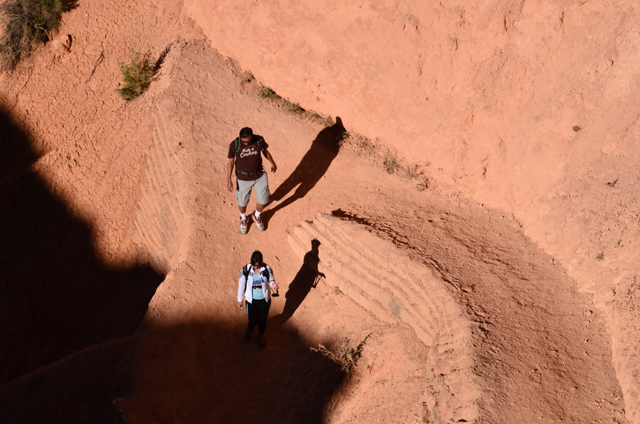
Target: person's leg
263, 314
243, 192
254, 317
262, 199
262, 192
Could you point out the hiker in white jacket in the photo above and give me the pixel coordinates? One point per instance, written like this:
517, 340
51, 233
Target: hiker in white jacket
255, 284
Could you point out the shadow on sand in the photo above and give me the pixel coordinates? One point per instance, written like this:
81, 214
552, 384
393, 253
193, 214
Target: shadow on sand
56, 296
312, 167
204, 371
306, 279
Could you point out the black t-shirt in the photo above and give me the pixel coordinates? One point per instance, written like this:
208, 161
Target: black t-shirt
248, 159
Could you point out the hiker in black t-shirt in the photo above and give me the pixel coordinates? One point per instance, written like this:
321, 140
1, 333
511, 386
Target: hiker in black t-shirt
245, 154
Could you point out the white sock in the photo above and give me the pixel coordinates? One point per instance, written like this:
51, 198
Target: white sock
243, 216
257, 214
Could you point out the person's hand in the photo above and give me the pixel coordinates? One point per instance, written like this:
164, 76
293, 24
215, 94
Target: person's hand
275, 286
229, 185
240, 305
273, 168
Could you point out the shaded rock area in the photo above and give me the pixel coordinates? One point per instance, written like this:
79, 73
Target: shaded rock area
58, 298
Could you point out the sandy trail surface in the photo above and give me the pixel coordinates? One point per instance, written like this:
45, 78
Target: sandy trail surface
145, 183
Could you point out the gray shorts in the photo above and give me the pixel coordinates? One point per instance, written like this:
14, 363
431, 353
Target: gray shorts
261, 186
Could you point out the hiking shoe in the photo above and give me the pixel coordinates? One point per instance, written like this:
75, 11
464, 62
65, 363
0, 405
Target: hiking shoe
248, 334
244, 225
261, 341
258, 221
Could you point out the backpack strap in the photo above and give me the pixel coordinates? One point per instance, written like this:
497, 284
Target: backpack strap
265, 273
261, 143
238, 144
245, 272
259, 139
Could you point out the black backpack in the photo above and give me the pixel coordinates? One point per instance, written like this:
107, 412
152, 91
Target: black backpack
259, 139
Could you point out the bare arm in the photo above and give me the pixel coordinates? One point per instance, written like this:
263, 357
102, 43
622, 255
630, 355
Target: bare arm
230, 165
270, 159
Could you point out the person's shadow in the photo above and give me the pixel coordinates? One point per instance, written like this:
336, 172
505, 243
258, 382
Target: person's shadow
311, 168
306, 279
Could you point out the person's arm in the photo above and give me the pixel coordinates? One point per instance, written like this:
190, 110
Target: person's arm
272, 281
242, 285
230, 165
270, 159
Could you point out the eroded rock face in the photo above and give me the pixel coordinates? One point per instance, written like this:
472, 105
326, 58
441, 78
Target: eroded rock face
395, 289
509, 338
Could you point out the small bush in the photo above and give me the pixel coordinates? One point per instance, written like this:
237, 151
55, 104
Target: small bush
413, 172
290, 106
14, 42
391, 163
324, 120
268, 93
137, 75
26, 22
423, 184
346, 356
359, 144
600, 256
248, 77
43, 17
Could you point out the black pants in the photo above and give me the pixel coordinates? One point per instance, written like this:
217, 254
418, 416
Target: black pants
258, 312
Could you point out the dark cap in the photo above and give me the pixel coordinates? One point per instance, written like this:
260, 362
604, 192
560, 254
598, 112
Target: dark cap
246, 132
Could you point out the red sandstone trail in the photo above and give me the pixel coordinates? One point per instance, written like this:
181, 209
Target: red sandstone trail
122, 253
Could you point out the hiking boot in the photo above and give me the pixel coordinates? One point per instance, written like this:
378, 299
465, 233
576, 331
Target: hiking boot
261, 341
258, 221
248, 334
244, 225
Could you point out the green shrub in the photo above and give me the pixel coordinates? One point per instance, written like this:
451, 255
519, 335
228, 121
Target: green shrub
42, 17
324, 120
26, 22
14, 42
268, 93
248, 77
137, 75
290, 106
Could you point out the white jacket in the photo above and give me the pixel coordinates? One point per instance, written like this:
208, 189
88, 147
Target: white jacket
245, 287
